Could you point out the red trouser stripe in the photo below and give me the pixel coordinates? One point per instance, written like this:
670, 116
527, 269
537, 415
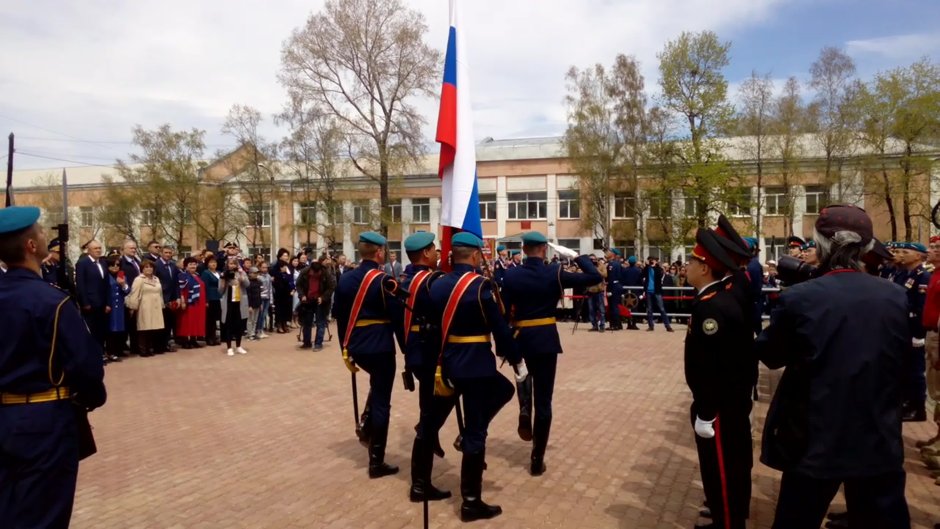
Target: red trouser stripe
721, 472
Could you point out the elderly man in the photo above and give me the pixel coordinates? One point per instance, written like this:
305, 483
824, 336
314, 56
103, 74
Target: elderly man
94, 290
836, 416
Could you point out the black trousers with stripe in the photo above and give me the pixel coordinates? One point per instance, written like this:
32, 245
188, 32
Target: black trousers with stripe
725, 462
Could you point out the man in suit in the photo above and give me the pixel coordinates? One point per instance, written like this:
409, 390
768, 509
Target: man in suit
653, 289
168, 273
91, 277
615, 286
393, 267
130, 265
153, 251
531, 293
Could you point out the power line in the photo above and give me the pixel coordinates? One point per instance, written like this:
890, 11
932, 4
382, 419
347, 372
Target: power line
38, 127
62, 160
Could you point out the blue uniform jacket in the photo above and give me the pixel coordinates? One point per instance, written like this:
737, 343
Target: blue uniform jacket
631, 276
614, 278
424, 346
532, 291
50, 273
116, 299
479, 312
915, 282
378, 305
93, 289
28, 305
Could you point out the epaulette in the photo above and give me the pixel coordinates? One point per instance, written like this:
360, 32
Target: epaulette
708, 296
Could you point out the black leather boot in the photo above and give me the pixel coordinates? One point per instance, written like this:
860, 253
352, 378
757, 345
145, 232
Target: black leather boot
524, 391
422, 460
377, 466
364, 428
539, 444
471, 488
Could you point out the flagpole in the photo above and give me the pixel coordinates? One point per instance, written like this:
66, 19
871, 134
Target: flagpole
9, 198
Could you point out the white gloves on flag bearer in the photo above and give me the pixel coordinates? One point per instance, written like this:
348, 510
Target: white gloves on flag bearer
521, 371
704, 429
918, 342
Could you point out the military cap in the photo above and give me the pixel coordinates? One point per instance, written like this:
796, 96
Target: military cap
533, 238
709, 249
726, 231
631, 259
752, 242
934, 239
809, 244
916, 246
231, 245
466, 240
839, 217
419, 241
372, 238
513, 252
879, 250
795, 242
615, 252
16, 218
501, 248
54, 245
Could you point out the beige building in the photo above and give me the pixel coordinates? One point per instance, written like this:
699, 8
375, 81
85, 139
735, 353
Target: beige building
524, 184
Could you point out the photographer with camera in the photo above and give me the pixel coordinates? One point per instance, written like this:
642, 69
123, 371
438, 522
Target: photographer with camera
836, 416
233, 286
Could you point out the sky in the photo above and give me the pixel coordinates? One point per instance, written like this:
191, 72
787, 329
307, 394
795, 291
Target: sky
76, 77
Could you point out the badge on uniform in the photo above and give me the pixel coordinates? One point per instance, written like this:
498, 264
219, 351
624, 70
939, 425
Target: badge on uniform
710, 326
910, 283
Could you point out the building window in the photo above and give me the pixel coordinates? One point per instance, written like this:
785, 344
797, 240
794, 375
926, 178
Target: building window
308, 213
260, 250
775, 201
393, 246
488, 206
421, 210
624, 206
146, 217
88, 217
337, 214
361, 213
816, 199
660, 207
528, 206
574, 244
394, 212
774, 247
187, 215
690, 207
259, 215
739, 203
658, 250
184, 251
599, 244
626, 248
569, 205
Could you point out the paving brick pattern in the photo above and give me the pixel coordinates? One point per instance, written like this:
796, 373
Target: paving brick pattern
199, 440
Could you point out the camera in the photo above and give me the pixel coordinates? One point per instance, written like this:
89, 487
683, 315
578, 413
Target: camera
228, 275
791, 270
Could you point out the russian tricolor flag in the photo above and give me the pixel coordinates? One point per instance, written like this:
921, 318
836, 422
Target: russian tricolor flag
460, 199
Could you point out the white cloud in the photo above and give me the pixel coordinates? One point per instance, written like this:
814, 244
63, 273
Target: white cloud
897, 47
94, 69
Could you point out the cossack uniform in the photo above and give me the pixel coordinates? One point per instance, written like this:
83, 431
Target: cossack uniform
368, 320
915, 282
531, 293
51, 375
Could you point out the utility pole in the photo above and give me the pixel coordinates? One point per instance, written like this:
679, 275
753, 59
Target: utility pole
9, 200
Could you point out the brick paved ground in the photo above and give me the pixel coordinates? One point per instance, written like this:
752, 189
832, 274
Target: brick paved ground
196, 439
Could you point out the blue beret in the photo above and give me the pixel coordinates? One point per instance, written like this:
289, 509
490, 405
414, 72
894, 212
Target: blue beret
466, 239
372, 238
16, 218
500, 248
418, 241
809, 244
631, 259
751, 242
916, 246
533, 238
616, 252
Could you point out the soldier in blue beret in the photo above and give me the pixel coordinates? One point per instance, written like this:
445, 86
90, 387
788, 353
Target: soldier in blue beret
470, 312
531, 293
422, 336
914, 279
615, 284
500, 265
808, 253
46, 388
368, 322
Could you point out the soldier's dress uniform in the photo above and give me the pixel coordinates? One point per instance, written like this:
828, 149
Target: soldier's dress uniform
915, 283
615, 287
719, 369
372, 347
422, 349
499, 267
468, 362
50, 269
531, 293
39, 424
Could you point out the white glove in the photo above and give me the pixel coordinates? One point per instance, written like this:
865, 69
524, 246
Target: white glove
567, 253
521, 371
704, 429
918, 342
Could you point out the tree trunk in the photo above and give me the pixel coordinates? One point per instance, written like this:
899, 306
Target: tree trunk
889, 203
906, 193
383, 187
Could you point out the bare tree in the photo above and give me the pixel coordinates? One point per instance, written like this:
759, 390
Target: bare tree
605, 136
753, 121
312, 151
836, 90
365, 61
788, 122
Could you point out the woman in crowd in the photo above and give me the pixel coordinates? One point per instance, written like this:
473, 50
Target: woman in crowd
233, 286
191, 322
210, 279
296, 265
117, 333
282, 277
146, 301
